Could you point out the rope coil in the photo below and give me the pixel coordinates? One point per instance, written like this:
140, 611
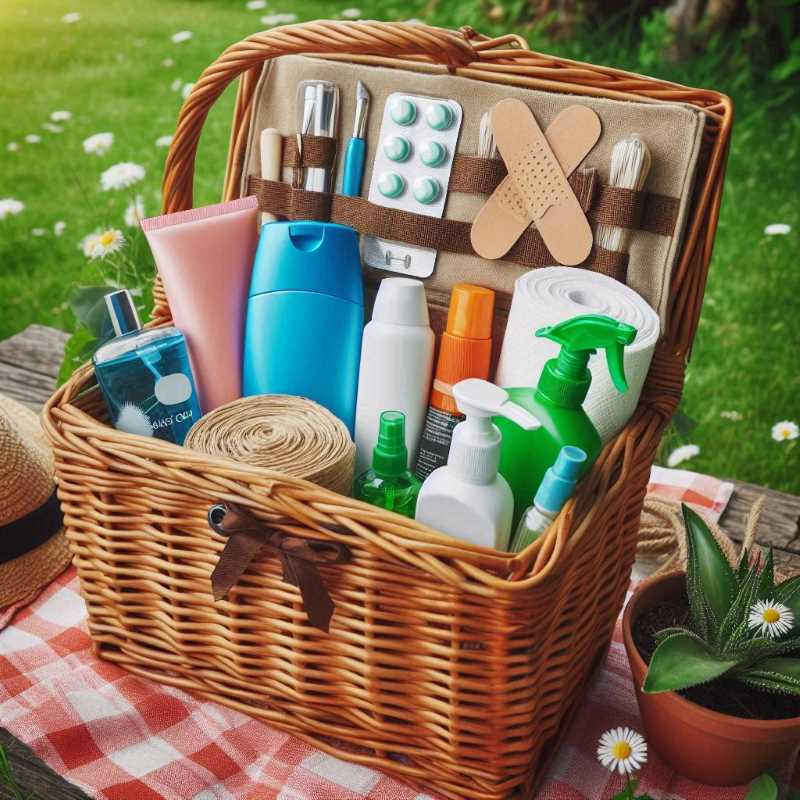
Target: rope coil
291, 435
662, 534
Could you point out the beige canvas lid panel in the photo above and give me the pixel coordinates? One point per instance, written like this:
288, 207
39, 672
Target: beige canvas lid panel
672, 132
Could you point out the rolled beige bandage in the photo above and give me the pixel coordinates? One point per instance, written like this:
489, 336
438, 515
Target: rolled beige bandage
291, 435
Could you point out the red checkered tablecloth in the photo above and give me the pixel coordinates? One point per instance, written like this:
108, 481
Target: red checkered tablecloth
122, 737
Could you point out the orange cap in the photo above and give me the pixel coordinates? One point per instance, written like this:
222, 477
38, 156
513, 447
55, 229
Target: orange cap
471, 311
466, 347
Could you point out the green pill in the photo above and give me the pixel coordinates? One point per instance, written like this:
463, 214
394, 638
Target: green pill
397, 148
403, 112
433, 154
426, 190
440, 116
390, 184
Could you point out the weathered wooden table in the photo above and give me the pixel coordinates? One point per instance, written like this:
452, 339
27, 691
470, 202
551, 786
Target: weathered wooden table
29, 364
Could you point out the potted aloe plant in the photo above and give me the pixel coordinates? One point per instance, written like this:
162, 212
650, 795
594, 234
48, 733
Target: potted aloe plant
715, 655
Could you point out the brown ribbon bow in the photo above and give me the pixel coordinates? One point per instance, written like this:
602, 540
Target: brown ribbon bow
299, 558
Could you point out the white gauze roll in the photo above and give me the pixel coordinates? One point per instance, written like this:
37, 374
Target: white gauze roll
547, 296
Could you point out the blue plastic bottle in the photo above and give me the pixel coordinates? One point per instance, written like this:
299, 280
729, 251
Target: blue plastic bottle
145, 375
305, 315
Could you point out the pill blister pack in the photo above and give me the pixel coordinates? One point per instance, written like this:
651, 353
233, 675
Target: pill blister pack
411, 172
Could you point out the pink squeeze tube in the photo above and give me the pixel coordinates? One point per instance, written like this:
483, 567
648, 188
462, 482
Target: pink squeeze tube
205, 257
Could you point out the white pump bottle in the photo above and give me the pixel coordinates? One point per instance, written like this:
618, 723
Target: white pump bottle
467, 498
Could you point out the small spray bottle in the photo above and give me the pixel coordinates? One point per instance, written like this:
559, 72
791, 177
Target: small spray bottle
390, 484
467, 498
554, 490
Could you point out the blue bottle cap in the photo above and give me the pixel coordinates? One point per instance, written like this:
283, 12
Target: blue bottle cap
308, 256
122, 312
560, 479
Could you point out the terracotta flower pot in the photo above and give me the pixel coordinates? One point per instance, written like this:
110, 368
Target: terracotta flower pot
701, 744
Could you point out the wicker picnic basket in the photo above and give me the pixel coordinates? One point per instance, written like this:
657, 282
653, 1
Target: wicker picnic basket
450, 666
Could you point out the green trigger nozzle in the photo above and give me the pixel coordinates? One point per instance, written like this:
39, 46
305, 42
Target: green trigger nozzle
579, 337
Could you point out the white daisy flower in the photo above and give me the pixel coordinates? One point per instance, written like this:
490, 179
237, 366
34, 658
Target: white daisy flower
121, 176
71, 17
61, 116
777, 229
59, 227
164, 141
33, 138
98, 144
181, 36
12, 147
770, 619
167, 62
622, 750
134, 213
681, 454
175, 86
733, 416
785, 430
186, 90
100, 244
256, 5
350, 13
10, 207
270, 20
38, 232
48, 126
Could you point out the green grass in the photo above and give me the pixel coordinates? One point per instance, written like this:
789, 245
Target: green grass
107, 70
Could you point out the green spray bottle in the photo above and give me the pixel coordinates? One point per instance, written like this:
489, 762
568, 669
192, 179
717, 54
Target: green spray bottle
557, 401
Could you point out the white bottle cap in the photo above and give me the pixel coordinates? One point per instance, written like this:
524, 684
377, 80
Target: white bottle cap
401, 301
475, 447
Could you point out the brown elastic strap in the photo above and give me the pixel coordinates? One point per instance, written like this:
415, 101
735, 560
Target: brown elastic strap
318, 151
623, 208
438, 234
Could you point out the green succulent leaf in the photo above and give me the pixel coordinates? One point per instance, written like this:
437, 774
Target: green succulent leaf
773, 674
734, 628
744, 566
766, 578
710, 580
788, 593
762, 788
684, 660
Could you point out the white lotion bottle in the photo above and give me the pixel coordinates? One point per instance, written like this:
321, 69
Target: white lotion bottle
396, 366
467, 498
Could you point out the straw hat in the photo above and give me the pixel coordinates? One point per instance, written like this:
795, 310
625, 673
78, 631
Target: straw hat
33, 548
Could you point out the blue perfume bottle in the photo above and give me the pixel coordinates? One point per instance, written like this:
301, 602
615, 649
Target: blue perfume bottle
145, 375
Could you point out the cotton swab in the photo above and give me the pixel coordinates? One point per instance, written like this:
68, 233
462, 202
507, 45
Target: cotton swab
630, 164
486, 145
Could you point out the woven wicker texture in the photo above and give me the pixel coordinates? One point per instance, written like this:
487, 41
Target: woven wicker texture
291, 435
449, 666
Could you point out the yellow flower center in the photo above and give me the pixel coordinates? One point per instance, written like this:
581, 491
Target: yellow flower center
770, 616
107, 238
621, 750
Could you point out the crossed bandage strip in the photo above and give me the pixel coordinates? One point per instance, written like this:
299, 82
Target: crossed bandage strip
536, 189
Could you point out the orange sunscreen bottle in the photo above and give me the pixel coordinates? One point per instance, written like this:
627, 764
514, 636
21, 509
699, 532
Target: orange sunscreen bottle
465, 351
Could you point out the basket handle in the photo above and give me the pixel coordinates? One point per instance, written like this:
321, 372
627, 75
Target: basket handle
395, 39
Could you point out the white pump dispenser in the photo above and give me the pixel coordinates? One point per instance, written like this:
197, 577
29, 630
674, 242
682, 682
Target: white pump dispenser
467, 498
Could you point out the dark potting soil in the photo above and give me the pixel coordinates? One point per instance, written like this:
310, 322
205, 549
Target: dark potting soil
725, 696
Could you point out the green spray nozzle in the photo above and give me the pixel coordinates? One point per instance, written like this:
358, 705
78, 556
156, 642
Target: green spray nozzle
567, 377
390, 455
